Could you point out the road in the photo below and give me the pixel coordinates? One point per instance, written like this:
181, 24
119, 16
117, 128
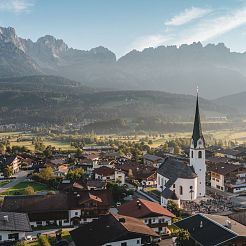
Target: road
21, 176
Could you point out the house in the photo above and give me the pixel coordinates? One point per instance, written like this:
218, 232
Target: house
14, 162
144, 174
228, 177
152, 160
109, 174
150, 213
211, 230
61, 209
62, 170
13, 226
114, 230
85, 164
181, 180
74, 186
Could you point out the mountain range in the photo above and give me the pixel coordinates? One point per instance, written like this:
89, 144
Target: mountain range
217, 70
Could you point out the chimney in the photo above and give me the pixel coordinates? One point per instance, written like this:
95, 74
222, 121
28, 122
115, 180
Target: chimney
201, 224
122, 220
6, 218
139, 205
228, 224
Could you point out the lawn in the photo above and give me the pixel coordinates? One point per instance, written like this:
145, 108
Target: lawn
19, 189
2, 183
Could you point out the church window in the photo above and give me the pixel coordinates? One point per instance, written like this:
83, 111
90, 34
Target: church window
181, 190
200, 154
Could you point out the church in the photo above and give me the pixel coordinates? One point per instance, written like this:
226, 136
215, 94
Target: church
178, 180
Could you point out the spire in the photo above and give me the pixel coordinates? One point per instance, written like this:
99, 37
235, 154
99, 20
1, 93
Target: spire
197, 129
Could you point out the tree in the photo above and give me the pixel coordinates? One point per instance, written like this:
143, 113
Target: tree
21, 243
43, 241
118, 192
2, 148
183, 237
7, 171
29, 190
165, 147
47, 173
173, 207
176, 150
130, 173
75, 174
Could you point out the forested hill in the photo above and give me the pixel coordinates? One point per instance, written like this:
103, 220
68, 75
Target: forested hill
43, 99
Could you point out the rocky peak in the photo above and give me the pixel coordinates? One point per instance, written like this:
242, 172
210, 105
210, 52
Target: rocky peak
51, 44
8, 35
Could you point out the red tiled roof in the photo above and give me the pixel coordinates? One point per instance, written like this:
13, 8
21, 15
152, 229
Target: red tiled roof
140, 208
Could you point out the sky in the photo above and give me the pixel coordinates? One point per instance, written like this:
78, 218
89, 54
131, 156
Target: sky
123, 25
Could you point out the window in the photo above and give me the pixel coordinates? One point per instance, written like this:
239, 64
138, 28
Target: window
14, 236
199, 154
173, 185
76, 213
180, 190
1, 238
123, 244
138, 241
192, 154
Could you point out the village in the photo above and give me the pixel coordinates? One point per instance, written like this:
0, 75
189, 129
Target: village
100, 196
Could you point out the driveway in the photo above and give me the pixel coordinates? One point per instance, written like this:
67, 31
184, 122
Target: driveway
21, 176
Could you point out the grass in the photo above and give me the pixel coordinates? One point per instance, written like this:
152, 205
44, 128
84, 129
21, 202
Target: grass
25, 138
20, 188
2, 183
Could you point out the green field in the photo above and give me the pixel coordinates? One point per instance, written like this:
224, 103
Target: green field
25, 139
19, 189
2, 183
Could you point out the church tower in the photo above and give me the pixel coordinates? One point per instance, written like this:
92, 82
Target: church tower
197, 153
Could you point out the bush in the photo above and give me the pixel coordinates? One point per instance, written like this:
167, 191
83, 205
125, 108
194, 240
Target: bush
43, 241
29, 190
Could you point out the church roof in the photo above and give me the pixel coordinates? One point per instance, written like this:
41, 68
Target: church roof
173, 169
197, 129
169, 194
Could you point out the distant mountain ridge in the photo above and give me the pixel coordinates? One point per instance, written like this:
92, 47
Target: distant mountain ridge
216, 69
42, 99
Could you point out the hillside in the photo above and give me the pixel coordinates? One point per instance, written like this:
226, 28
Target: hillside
50, 99
237, 101
217, 70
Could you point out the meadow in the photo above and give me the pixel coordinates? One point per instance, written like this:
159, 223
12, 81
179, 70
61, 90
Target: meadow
60, 142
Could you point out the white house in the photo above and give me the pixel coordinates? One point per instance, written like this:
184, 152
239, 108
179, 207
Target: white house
150, 213
178, 180
109, 174
114, 230
13, 226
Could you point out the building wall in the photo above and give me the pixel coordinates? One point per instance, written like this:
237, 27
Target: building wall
130, 242
4, 235
184, 183
199, 166
120, 177
217, 181
105, 178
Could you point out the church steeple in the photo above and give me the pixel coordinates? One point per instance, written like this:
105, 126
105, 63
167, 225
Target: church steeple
197, 129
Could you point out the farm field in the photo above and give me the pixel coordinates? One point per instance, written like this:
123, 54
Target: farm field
25, 138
